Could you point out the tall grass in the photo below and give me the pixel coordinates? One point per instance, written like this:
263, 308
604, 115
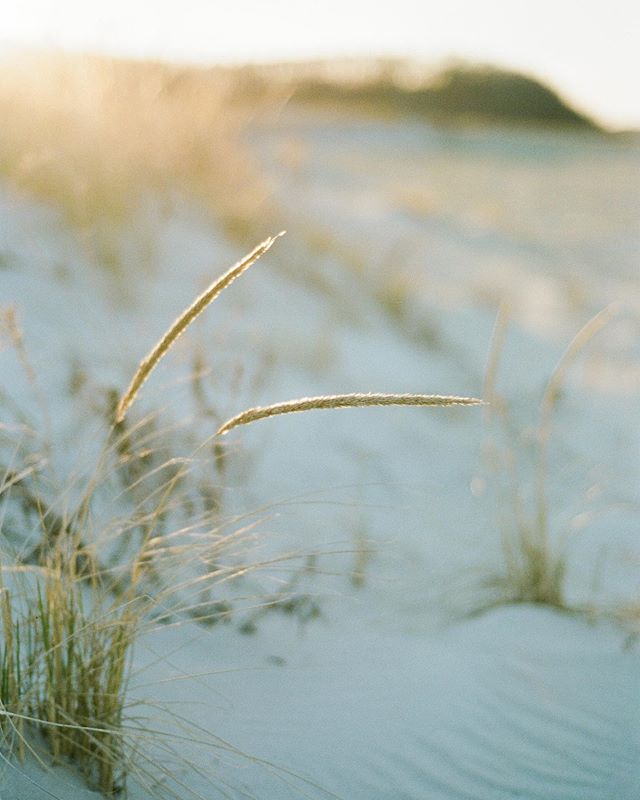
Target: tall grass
68, 630
70, 621
534, 555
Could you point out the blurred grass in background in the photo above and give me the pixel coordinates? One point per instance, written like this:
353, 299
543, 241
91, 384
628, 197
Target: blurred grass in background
98, 138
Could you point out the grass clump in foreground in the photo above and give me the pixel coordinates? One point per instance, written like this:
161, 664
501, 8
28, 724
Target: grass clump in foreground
74, 675
69, 621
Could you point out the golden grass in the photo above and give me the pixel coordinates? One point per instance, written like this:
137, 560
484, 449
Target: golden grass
99, 138
148, 364
354, 400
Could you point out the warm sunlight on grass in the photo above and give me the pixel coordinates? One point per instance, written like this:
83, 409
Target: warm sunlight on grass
99, 138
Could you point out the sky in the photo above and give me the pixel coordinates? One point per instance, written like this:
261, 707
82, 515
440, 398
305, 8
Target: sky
589, 50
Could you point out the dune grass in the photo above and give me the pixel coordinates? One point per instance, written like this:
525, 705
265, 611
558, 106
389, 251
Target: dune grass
148, 364
354, 400
70, 620
534, 557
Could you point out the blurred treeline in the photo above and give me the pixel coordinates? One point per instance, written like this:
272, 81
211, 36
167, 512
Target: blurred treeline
457, 93
97, 137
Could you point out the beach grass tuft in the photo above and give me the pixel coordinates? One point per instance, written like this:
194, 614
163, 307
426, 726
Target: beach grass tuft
534, 556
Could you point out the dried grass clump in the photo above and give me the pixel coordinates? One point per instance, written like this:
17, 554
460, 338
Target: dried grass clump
77, 667
69, 623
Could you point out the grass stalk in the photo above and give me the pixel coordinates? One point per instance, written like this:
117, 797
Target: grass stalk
355, 400
149, 363
549, 403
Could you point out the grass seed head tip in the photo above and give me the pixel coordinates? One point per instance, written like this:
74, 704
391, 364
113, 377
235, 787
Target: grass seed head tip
343, 401
148, 364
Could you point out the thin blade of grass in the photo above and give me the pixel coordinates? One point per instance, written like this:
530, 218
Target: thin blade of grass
343, 401
495, 351
148, 364
550, 400
575, 347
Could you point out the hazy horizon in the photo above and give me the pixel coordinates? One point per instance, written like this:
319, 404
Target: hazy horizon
585, 52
